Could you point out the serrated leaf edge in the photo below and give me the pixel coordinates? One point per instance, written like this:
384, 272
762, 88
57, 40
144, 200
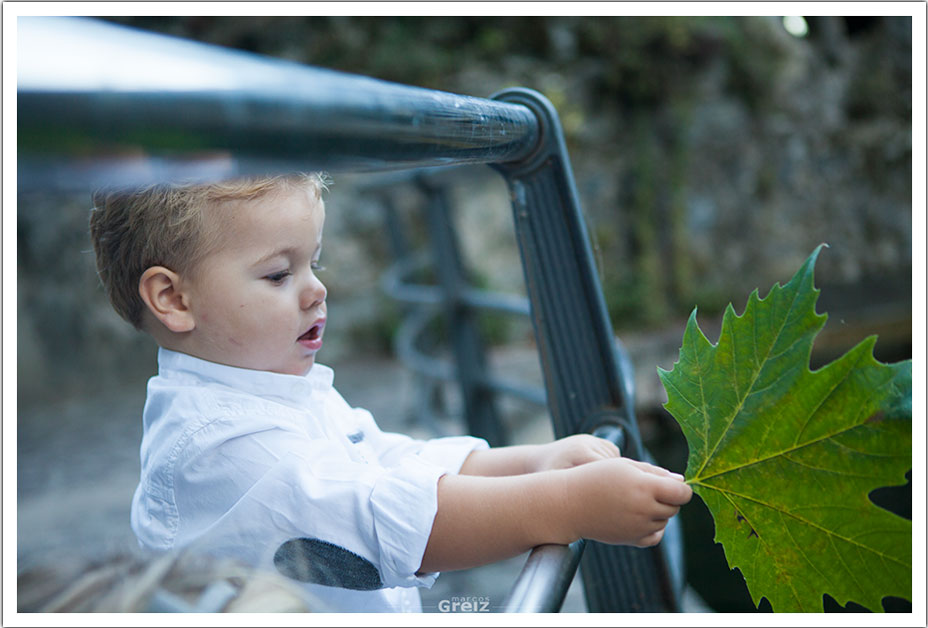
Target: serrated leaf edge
800, 277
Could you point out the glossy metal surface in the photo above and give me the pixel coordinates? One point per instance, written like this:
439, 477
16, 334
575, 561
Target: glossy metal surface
94, 90
545, 579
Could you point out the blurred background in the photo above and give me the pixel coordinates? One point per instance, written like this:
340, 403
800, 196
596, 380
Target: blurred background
712, 155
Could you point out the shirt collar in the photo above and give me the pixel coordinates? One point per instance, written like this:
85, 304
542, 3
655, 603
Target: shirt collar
291, 389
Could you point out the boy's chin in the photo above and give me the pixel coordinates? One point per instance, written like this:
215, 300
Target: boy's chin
299, 369
306, 367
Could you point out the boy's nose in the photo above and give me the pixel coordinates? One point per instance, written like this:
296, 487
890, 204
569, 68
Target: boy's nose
313, 294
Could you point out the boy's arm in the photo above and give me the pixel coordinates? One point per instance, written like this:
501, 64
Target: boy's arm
485, 519
518, 459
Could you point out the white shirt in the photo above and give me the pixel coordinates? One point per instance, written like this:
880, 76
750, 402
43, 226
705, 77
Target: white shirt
280, 472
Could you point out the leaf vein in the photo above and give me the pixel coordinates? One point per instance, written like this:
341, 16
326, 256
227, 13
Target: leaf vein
796, 447
806, 521
780, 377
691, 404
799, 549
825, 398
849, 571
864, 451
730, 419
734, 363
761, 540
705, 413
831, 471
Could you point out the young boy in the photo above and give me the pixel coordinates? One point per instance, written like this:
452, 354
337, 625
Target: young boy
249, 451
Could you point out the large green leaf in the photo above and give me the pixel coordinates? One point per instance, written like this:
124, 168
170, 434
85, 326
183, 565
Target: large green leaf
785, 457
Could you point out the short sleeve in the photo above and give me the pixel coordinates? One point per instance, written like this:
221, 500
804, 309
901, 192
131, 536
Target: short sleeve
451, 452
404, 504
273, 489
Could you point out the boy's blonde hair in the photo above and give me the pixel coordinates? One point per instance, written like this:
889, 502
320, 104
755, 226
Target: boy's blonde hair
162, 225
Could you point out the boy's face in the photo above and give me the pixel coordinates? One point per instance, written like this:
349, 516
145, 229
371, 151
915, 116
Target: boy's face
256, 300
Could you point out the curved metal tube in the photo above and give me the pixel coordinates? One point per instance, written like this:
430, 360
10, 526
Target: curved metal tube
394, 283
545, 579
123, 89
407, 351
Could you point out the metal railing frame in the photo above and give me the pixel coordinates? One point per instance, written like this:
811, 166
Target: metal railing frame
266, 114
451, 298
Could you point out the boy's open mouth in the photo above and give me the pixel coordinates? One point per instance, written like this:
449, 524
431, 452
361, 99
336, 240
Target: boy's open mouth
312, 339
313, 332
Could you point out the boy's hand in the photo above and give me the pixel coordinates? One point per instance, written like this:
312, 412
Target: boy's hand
572, 451
616, 500
624, 501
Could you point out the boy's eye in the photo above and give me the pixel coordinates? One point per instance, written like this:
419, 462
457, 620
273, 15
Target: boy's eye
316, 266
278, 277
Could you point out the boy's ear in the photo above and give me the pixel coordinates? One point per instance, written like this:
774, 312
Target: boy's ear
160, 290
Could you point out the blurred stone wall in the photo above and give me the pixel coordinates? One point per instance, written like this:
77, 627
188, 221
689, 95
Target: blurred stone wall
711, 154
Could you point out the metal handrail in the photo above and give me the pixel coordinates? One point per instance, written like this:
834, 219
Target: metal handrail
545, 579
395, 284
429, 298
434, 368
106, 86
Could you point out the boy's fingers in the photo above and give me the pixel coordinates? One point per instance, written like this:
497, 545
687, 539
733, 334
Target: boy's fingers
656, 470
609, 448
673, 492
663, 512
652, 539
